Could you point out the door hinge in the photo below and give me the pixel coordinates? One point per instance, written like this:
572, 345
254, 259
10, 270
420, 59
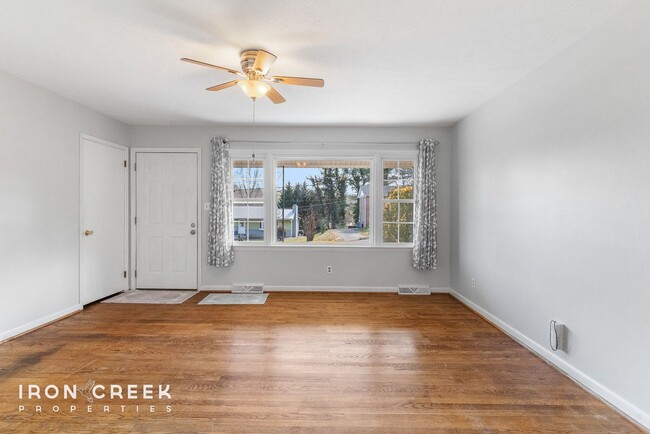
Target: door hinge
136, 220
125, 274
135, 166
135, 273
126, 164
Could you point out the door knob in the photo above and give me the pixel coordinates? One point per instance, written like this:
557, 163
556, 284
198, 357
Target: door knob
192, 232
88, 232
193, 225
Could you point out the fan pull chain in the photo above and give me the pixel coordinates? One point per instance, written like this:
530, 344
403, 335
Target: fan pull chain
253, 129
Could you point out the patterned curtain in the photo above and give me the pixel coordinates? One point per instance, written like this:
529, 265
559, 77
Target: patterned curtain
221, 234
425, 220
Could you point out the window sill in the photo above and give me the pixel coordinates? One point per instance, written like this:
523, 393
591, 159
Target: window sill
319, 247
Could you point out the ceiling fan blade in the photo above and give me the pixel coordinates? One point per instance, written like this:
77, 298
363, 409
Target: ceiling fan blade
275, 96
299, 81
263, 61
209, 65
222, 86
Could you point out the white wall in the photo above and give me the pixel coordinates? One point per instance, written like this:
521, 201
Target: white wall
39, 214
292, 268
551, 208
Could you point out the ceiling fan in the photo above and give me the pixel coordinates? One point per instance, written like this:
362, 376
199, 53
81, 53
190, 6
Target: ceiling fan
255, 65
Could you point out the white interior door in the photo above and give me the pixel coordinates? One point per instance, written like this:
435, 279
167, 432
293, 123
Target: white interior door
104, 219
166, 220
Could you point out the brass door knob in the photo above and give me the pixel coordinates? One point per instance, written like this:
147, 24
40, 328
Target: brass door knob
88, 232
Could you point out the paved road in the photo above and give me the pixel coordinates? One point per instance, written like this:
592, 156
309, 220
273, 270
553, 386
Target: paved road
348, 234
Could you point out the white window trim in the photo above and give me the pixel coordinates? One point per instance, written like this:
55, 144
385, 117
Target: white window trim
376, 159
368, 158
242, 156
382, 200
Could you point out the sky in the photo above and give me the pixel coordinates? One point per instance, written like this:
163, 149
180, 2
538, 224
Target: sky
295, 175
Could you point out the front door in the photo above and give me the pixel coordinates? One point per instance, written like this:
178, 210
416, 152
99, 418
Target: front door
166, 220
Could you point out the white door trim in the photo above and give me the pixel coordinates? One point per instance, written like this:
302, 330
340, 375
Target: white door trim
199, 207
125, 149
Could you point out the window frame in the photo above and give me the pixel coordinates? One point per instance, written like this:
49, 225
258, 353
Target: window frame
397, 201
262, 201
368, 159
376, 159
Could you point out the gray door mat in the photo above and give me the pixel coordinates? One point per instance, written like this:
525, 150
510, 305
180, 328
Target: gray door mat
138, 296
235, 299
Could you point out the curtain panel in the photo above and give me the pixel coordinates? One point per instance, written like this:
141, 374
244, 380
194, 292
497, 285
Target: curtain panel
425, 219
220, 233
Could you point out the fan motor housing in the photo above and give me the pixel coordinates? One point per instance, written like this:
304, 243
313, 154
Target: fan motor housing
248, 60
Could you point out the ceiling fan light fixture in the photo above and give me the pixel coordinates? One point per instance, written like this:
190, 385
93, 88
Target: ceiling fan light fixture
254, 81
254, 88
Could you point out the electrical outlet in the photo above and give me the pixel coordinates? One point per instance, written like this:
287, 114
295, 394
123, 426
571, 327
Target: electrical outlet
206, 206
329, 269
473, 283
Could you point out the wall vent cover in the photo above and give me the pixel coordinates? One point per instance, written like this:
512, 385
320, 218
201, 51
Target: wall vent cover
413, 290
248, 288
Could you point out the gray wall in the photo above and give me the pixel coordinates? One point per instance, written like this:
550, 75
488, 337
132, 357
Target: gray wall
39, 187
295, 268
551, 208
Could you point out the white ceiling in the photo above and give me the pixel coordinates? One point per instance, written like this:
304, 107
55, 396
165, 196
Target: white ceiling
395, 62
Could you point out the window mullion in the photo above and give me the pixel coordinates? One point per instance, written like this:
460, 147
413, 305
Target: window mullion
378, 196
267, 196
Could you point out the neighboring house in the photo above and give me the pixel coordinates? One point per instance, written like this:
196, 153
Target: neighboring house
290, 223
249, 222
364, 203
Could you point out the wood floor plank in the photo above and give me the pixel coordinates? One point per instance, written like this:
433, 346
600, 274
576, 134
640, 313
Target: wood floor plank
302, 362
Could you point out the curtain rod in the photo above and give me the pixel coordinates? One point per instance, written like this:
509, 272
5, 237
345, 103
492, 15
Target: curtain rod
293, 142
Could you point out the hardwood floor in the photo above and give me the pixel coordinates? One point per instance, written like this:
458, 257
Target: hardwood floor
303, 362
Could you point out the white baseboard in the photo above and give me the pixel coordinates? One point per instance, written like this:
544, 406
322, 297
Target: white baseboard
39, 322
227, 288
272, 288
596, 388
283, 288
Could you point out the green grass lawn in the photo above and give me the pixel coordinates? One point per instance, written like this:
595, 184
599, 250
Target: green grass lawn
329, 236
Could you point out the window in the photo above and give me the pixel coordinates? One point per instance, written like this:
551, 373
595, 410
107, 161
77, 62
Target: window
248, 200
329, 199
398, 201
323, 201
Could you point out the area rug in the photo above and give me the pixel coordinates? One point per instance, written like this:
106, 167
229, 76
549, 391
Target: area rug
235, 299
138, 296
